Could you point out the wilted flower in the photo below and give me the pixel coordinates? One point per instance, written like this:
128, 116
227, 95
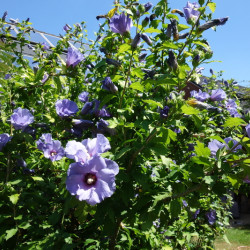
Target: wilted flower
142, 56
83, 124
212, 23
175, 31
103, 112
196, 213
172, 61
74, 56
21, 118
4, 16
218, 95
146, 39
102, 125
4, 138
148, 6
53, 151
211, 216
246, 180
200, 96
178, 12
109, 85
191, 13
66, 108
93, 181
84, 96
120, 23
164, 112
113, 62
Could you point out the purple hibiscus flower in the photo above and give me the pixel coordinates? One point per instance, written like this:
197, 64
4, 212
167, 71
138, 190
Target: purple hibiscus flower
45, 78
248, 130
44, 140
218, 95
74, 56
84, 96
73, 147
107, 84
231, 104
53, 151
120, 23
66, 108
200, 96
211, 216
21, 118
4, 138
66, 27
191, 13
215, 145
45, 46
87, 108
7, 76
234, 113
93, 181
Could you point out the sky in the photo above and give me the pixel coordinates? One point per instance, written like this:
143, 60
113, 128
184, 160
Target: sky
230, 43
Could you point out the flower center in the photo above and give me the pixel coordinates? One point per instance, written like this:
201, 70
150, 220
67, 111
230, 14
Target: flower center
53, 152
90, 179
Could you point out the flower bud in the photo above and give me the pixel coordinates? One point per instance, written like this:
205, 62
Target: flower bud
4, 16
148, 6
142, 56
145, 21
86, 108
212, 23
174, 29
172, 61
178, 12
184, 35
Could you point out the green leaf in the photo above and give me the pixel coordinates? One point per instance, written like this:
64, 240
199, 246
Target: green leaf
182, 27
37, 178
153, 103
202, 44
122, 152
201, 150
14, 198
201, 161
212, 6
152, 30
137, 72
233, 122
24, 225
226, 239
10, 233
188, 110
137, 86
124, 47
208, 179
169, 45
175, 208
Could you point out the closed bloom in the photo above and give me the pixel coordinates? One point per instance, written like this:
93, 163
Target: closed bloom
74, 56
120, 23
54, 151
212, 23
21, 118
109, 85
83, 124
86, 108
148, 6
146, 39
200, 96
66, 27
136, 41
45, 78
211, 216
191, 13
84, 96
103, 112
113, 62
66, 108
4, 138
248, 130
218, 95
94, 181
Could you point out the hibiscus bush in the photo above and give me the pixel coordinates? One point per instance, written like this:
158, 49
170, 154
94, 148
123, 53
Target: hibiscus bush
104, 144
